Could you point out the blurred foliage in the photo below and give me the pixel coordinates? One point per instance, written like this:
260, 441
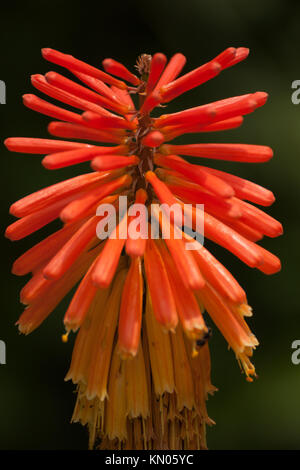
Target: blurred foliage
35, 403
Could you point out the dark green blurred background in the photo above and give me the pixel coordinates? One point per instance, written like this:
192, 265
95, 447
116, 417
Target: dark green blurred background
35, 403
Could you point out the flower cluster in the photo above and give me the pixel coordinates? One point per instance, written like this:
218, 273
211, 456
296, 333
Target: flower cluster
141, 359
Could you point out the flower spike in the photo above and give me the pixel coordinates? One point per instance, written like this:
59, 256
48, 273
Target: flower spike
131, 239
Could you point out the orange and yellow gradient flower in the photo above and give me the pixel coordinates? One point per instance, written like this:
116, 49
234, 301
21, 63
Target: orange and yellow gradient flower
141, 359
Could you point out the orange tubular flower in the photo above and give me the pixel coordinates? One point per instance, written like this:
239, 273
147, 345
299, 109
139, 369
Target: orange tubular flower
141, 360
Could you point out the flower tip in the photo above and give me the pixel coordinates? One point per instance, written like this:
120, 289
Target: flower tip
8, 142
271, 199
106, 63
70, 325
260, 97
126, 354
65, 217
88, 115
279, 230
51, 275
231, 50
99, 281
153, 139
8, 234
197, 283
17, 269
245, 51
23, 329
46, 51
197, 332
36, 78
49, 76
48, 163
13, 211
235, 212
27, 98
149, 175
93, 164
277, 269
267, 154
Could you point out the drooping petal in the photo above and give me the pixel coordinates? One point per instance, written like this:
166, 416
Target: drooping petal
107, 261
187, 307
136, 245
159, 287
160, 352
80, 207
67, 255
129, 329
31, 259
185, 263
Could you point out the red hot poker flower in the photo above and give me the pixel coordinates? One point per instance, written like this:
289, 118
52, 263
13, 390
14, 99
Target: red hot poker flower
141, 359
